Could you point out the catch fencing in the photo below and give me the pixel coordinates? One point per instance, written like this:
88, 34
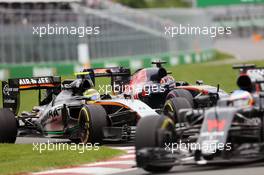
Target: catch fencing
123, 33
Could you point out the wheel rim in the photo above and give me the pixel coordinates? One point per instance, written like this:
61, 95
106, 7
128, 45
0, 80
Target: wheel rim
169, 111
84, 124
167, 126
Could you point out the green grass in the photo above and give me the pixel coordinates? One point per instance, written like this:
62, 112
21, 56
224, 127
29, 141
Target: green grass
210, 74
22, 158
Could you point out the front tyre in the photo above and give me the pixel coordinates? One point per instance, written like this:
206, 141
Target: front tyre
92, 120
173, 106
154, 132
176, 93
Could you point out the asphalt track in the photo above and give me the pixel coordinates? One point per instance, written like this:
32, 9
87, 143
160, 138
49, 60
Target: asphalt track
243, 49
257, 169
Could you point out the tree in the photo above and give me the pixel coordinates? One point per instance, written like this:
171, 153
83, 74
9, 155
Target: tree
153, 3
134, 3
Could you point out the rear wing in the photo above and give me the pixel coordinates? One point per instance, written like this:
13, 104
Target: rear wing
119, 75
11, 89
251, 77
244, 67
158, 63
254, 72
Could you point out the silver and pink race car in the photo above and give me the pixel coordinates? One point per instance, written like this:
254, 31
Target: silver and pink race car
71, 109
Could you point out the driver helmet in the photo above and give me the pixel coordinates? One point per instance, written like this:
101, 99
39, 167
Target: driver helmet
92, 94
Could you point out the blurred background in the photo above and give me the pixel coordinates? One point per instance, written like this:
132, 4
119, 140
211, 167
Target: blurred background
131, 33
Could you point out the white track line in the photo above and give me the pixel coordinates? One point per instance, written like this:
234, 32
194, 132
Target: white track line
128, 162
132, 156
131, 152
127, 148
93, 171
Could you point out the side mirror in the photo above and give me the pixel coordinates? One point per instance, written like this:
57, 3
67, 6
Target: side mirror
199, 82
181, 83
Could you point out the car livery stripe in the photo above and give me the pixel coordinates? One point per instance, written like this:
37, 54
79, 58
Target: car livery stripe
111, 103
54, 132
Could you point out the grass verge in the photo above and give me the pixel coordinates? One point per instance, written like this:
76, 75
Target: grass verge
22, 158
210, 74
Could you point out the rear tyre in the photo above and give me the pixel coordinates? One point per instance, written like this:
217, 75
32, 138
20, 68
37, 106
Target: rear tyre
92, 120
8, 126
180, 93
173, 106
158, 169
148, 135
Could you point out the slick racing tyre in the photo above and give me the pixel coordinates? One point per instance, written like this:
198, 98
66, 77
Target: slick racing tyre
154, 132
173, 106
92, 120
180, 93
8, 126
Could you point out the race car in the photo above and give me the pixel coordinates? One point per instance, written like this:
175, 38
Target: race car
72, 109
157, 88
154, 86
232, 132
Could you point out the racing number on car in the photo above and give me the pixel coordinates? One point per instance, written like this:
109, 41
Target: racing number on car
53, 113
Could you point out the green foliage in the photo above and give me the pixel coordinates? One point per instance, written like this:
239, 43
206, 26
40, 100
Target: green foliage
134, 3
167, 3
153, 3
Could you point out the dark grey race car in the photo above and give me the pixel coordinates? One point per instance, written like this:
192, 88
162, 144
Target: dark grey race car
230, 133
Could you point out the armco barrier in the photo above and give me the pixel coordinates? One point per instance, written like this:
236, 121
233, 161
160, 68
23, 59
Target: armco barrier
64, 69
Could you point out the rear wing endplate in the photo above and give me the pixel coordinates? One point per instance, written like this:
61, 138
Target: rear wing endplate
118, 75
11, 89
